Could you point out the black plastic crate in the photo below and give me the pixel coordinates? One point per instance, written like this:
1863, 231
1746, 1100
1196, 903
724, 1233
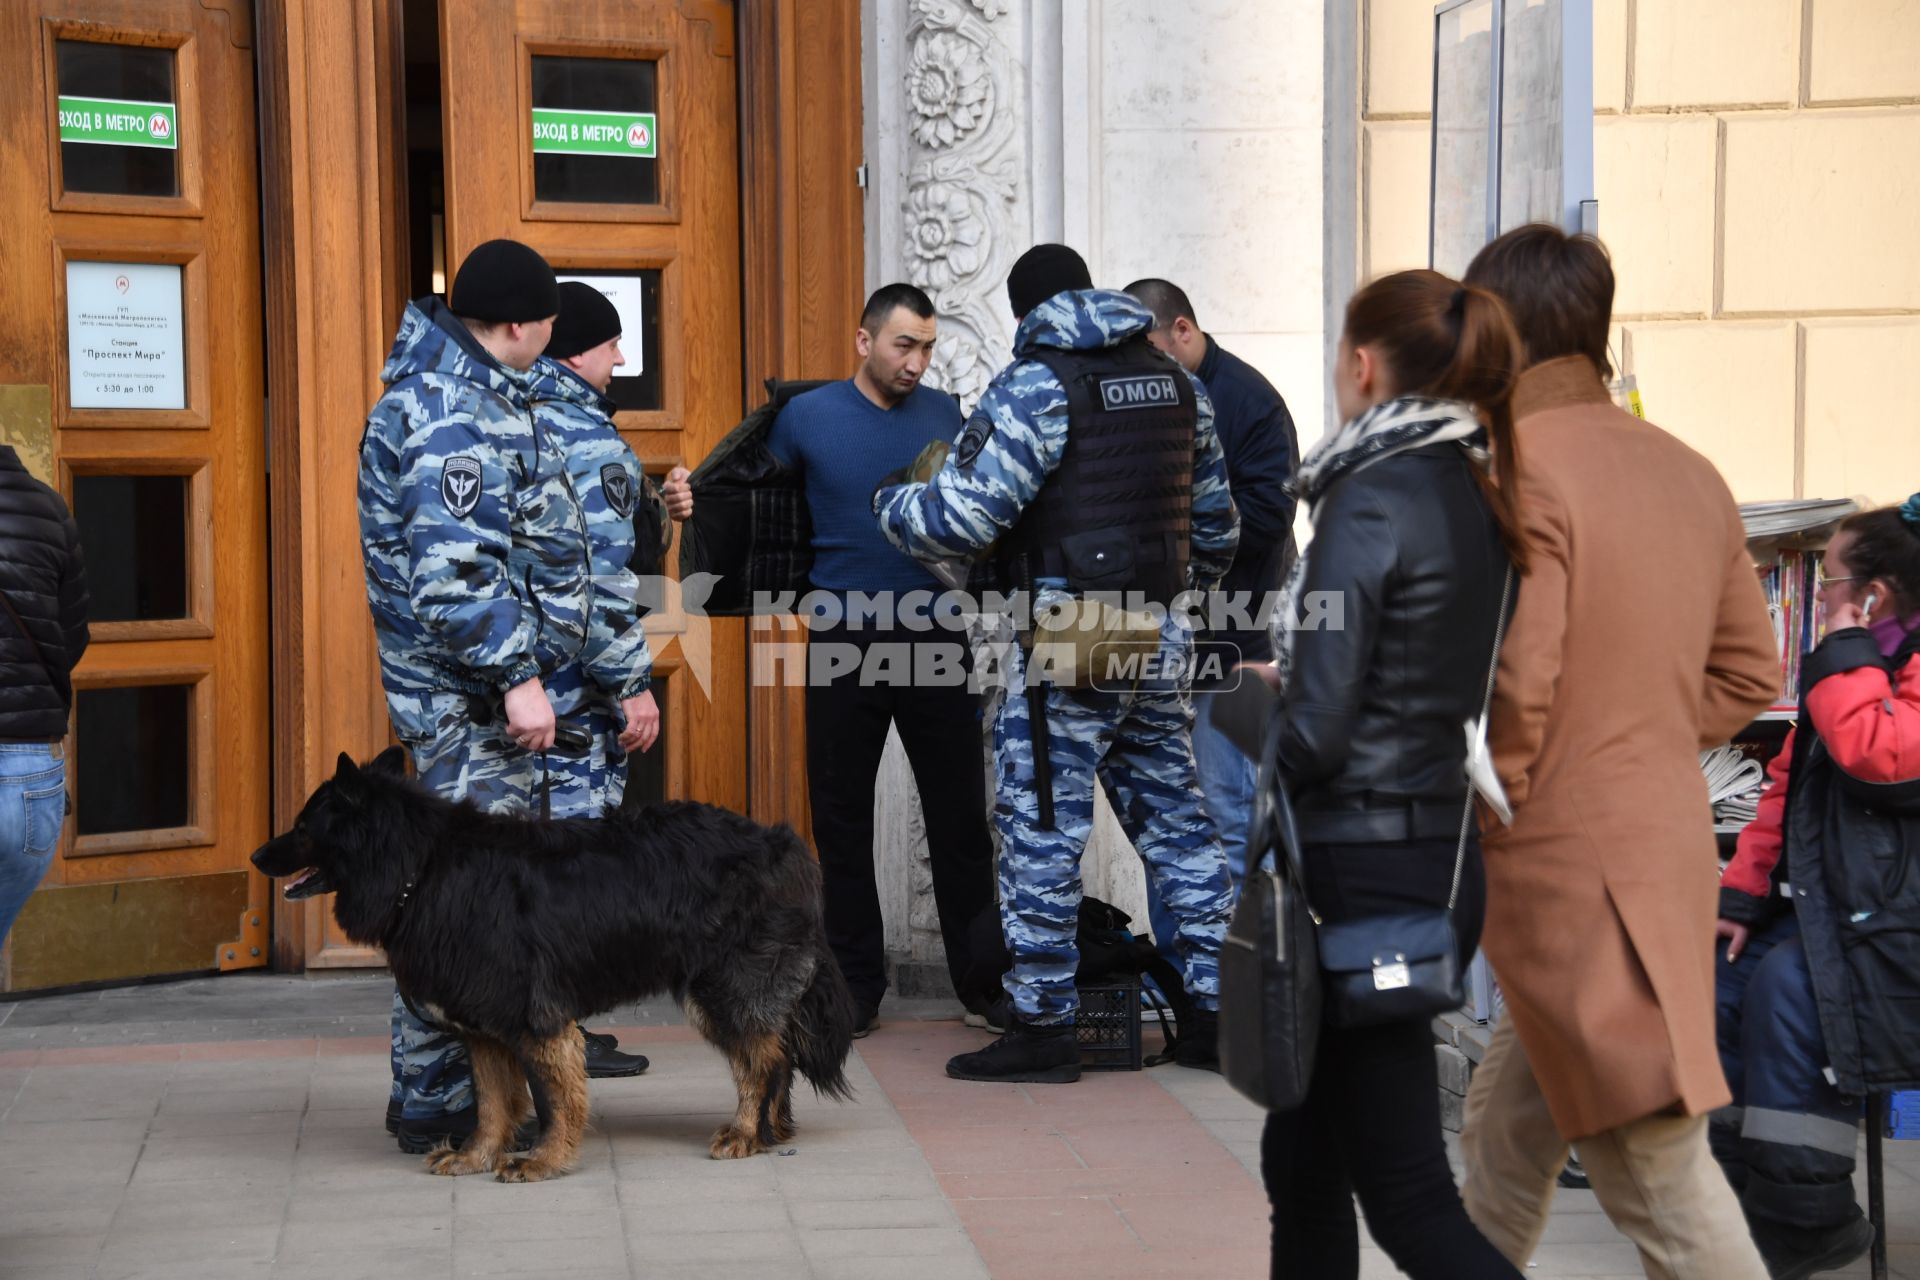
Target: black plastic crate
1108, 1026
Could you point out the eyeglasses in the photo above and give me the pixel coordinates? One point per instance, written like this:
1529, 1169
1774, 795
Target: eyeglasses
1852, 577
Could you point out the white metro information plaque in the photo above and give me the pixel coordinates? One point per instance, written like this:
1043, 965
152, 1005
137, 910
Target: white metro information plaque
125, 342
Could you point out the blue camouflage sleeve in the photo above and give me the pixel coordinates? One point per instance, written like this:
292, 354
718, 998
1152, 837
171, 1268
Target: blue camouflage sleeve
1004, 453
456, 502
1216, 525
617, 657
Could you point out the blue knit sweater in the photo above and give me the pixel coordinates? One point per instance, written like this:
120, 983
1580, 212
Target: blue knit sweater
844, 444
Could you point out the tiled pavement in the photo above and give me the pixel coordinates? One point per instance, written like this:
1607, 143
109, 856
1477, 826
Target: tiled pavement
231, 1127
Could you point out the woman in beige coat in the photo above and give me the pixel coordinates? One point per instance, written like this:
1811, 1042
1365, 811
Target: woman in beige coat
1641, 637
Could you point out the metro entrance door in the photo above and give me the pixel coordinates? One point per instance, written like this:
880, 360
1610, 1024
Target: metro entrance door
131, 380
603, 133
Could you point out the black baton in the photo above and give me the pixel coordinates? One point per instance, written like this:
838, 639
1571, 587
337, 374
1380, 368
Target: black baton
1037, 709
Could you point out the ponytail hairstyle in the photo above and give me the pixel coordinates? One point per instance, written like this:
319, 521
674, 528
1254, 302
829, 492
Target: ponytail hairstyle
1886, 544
1452, 342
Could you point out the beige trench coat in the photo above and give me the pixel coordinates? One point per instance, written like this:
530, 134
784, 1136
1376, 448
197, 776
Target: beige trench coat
1640, 638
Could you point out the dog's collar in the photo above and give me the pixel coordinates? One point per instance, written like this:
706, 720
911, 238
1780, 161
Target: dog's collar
406, 891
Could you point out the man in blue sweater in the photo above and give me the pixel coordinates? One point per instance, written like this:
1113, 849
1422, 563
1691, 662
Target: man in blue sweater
897, 666
1256, 432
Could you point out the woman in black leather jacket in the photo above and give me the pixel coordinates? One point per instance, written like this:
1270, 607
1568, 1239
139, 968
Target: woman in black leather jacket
1384, 652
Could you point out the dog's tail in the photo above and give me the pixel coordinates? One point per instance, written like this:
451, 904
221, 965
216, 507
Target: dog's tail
820, 1034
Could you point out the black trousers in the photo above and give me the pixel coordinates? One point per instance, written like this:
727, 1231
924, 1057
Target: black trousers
940, 727
1370, 1125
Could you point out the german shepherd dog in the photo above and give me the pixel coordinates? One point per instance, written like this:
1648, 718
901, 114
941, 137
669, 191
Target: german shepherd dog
507, 930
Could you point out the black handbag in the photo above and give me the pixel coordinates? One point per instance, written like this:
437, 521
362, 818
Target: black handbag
1392, 968
1270, 999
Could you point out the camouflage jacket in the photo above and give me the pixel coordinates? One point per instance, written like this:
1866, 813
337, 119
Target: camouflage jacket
474, 543
609, 484
1018, 432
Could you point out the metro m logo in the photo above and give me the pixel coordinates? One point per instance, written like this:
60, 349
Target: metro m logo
1145, 391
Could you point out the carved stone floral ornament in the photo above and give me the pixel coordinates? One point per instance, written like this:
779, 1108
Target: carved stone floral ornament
961, 366
945, 236
949, 88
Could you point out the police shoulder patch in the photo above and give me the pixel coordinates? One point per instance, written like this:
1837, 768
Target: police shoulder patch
617, 484
460, 485
973, 438
1139, 391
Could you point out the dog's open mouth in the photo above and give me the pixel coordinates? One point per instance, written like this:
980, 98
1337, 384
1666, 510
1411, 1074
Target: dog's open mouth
306, 885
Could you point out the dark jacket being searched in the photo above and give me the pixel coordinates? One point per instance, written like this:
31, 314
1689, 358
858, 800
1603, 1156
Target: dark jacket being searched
1373, 746
45, 585
1263, 452
750, 527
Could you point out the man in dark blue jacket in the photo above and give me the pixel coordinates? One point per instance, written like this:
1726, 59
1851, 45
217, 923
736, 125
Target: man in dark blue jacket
1256, 432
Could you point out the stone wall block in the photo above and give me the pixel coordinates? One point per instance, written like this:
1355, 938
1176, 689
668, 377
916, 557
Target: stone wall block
1861, 442
1820, 211
1609, 55
1654, 176
1714, 53
1728, 391
1181, 66
1399, 44
1244, 230
1455, 1070
1396, 164
1864, 50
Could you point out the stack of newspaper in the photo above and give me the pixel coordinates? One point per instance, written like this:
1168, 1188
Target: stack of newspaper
1800, 515
1734, 784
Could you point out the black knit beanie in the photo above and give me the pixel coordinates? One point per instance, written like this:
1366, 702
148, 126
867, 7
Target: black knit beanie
504, 282
1041, 272
587, 319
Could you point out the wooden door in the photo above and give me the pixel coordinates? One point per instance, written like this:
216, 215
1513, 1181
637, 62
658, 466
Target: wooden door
603, 133
130, 350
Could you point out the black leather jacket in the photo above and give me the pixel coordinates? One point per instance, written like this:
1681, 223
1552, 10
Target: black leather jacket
1372, 746
40, 572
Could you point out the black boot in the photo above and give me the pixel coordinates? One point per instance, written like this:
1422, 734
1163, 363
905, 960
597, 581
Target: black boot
604, 1062
1028, 1053
1793, 1253
1198, 1042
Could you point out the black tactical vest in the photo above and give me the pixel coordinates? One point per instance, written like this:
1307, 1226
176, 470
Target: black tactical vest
1116, 514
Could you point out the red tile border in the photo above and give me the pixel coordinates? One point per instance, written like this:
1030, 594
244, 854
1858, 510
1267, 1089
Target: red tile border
347, 1046
244, 1050
1038, 1174
256, 1050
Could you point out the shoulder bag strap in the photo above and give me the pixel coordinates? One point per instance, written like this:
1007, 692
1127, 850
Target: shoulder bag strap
1486, 707
1273, 829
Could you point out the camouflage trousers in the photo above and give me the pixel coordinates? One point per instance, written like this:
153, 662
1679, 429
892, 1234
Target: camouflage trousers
462, 760
1135, 744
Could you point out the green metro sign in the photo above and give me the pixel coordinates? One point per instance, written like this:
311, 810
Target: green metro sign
117, 122
566, 132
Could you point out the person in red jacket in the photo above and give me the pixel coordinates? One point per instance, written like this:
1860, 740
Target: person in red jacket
1820, 912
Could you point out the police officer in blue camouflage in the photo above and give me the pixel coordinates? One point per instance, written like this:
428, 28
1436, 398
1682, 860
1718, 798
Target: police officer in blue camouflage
1090, 466
477, 579
607, 692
